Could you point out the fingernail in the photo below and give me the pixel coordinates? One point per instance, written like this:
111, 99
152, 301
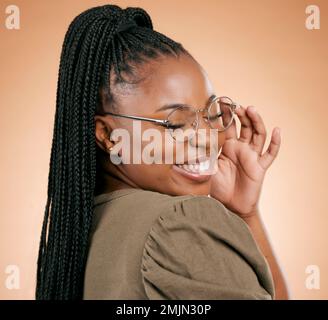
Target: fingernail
252, 108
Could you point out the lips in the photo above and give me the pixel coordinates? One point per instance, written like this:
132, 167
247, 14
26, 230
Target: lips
200, 171
197, 167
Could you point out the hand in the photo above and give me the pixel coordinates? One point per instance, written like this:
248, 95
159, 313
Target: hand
241, 165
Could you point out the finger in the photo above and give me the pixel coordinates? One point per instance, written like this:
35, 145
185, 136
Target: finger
267, 158
231, 132
246, 130
259, 131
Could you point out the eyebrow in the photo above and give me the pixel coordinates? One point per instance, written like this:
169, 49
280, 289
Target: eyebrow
179, 105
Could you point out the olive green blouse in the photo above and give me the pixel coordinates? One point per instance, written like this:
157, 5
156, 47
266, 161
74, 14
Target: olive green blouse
148, 245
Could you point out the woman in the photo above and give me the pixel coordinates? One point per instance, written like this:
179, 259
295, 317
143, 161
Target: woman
137, 230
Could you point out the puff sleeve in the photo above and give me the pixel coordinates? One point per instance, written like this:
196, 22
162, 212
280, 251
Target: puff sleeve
198, 249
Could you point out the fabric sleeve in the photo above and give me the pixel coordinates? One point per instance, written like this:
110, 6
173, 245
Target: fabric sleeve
198, 249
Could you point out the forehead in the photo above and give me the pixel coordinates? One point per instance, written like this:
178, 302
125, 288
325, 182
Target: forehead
167, 80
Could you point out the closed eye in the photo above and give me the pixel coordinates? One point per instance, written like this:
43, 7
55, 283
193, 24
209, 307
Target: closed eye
218, 115
175, 126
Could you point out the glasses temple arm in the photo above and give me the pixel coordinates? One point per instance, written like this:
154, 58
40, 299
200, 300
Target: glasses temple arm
160, 122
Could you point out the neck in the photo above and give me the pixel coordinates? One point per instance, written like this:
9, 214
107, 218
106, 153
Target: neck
107, 183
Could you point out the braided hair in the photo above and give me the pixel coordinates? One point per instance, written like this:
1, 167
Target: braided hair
99, 41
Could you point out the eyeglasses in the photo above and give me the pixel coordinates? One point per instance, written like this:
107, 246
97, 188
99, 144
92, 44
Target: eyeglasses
183, 121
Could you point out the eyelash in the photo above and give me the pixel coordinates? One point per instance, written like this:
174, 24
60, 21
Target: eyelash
217, 115
177, 126
174, 126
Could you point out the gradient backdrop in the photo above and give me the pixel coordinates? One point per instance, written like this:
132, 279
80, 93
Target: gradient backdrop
257, 51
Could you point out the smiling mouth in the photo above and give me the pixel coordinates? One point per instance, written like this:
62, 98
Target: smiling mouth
200, 170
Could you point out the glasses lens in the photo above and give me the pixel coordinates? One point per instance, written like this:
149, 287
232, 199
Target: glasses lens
182, 123
220, 113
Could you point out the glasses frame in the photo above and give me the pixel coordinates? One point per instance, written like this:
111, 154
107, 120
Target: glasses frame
166, 122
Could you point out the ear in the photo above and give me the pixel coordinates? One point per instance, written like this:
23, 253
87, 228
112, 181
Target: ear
102, 132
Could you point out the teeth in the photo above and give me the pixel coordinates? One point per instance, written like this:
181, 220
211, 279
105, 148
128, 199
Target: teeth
204, 165
197, 167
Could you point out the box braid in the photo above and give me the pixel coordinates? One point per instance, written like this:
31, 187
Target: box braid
94, 44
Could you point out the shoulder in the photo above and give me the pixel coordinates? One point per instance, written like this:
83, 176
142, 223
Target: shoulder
187, 206
192, 210
197, 248
196, 211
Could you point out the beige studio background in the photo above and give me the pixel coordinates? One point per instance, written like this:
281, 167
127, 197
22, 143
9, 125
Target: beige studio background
258, 51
